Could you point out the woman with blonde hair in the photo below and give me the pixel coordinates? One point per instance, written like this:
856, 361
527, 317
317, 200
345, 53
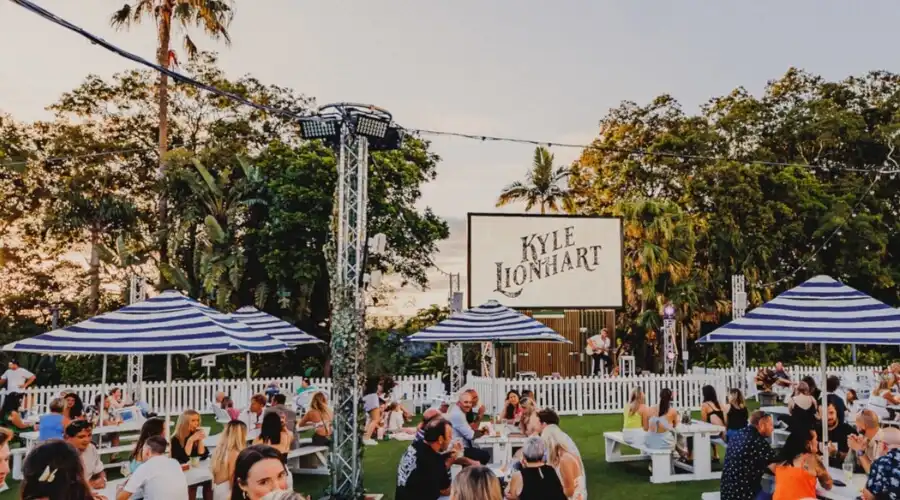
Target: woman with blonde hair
529, 423
567, 465
635, 417
232, 442
320, 416
882, 397
475, 483
187, 443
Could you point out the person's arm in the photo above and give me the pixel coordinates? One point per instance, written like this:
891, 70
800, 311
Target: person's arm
458, 421
30, 380
704, 412
821, 473
514, 489
16, 420
568, 470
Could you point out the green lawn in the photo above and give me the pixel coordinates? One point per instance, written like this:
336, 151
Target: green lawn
609, 481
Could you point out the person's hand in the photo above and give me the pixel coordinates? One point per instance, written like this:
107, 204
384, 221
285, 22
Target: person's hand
832, 448
99, 483
856, 443
185, 467
200, 434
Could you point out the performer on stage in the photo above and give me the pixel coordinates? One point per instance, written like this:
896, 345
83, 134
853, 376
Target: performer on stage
598, 348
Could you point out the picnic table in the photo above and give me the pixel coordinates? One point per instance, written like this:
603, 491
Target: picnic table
501, 442
849, 492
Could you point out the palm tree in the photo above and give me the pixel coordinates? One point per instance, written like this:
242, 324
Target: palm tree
543, 186
211, 16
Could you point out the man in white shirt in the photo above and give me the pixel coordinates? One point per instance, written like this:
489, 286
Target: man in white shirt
78, 434
17, 379
463, 431
253, 415
158, 478
599, 347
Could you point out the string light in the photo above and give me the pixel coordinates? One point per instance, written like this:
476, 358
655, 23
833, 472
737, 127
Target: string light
178, 77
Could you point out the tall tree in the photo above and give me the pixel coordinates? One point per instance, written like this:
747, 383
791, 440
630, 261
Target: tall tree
213, 18
544, 186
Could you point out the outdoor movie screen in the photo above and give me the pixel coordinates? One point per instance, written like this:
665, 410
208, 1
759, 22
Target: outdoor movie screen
545, 261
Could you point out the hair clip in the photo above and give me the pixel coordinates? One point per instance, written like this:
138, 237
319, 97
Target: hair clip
48, 476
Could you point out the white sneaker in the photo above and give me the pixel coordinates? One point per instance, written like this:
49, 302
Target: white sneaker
369, 442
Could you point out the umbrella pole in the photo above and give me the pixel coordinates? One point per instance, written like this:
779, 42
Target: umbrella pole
168, 390
249, 389
102, 408
822, 362
853, 353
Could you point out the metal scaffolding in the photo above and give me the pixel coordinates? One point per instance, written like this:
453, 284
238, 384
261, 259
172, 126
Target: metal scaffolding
135, 369
738, 309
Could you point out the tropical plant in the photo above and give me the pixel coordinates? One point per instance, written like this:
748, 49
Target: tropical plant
544, 186
212, 17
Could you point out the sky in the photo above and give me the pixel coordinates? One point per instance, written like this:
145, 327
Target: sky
527, 69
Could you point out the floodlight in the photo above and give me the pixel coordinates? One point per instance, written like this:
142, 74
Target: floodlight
391, 141
318, 128
370, 126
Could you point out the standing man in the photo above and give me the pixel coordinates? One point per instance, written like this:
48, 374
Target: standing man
749, 455
17, 379
598, 347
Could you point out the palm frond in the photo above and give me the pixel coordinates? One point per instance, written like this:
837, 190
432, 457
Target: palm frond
121, 18
208, 179
175, 276
214, 231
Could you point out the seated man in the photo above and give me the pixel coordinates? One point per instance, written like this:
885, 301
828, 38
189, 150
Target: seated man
78, 434
463, 430
158, 478
424, 470
884, 476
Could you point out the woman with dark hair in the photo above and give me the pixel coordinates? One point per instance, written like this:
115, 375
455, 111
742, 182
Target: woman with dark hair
513, 410
74, 408
799, 467
814, 391
662, 422
711, 413
10, 417
804, 409
736, 414
274, 433
152, 427
53, 470
259, 470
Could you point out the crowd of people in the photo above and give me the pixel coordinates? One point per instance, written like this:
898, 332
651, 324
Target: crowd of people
548, 466
753, 469
66, 463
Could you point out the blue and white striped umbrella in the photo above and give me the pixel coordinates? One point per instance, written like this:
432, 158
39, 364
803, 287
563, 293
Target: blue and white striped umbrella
489, 322
169, 323
821, 310
270, 325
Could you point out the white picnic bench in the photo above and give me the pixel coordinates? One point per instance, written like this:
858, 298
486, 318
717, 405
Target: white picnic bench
712, 495
662, 465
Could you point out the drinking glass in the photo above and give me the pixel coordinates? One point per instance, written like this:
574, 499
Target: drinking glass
848, 472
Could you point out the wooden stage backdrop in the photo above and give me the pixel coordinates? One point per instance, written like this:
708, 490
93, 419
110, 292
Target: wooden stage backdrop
568, 360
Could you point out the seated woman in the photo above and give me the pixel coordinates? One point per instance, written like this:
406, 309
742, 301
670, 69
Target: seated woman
529, 423
152, 427
394, 420
10, 415
534, 478
661, 423
274, 433
187, 443
320, 416
567, 464
231, 443
882, 397
74, 409
512, 411
228, 406
635, 417
736, 414
799, 467
711, 413
804, 409
117, 399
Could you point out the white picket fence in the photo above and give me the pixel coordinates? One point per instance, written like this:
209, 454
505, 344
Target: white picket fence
593, 395
798, 372
197, 394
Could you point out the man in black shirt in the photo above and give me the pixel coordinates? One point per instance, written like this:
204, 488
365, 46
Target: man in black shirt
424, 470
832, 384
838, 432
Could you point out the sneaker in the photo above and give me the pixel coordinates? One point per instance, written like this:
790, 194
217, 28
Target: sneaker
369, 442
